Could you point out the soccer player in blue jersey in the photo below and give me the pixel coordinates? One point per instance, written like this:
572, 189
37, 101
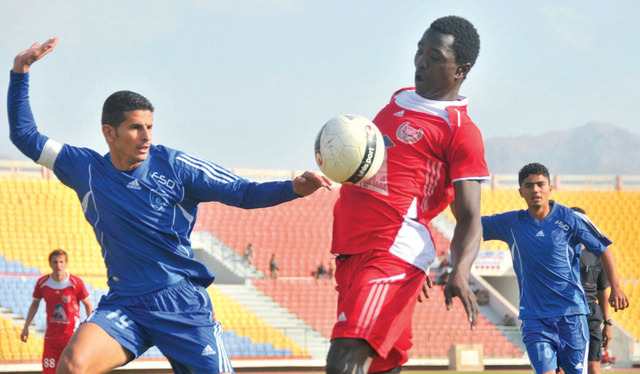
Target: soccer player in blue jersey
544, 246
142, 200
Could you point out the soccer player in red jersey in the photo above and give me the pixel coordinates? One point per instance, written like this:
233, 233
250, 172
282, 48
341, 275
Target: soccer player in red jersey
62, 293
434, 152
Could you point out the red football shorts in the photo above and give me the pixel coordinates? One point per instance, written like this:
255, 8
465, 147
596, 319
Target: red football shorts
377, 294
51, 354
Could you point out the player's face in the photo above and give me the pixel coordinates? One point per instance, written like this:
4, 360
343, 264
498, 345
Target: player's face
58, 264
535, 190
438, 76
130, 143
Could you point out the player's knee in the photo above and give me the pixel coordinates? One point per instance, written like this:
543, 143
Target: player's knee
70, 364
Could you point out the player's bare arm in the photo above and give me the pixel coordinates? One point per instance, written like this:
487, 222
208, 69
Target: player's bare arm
603, 296
617, 299
309, 182
30, 314
464, 247
26, 58
87, 305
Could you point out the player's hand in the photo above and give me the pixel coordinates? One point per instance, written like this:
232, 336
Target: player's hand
26, 58
617, 299
425, 290
25, 334
606, 336
309, 182
458, 285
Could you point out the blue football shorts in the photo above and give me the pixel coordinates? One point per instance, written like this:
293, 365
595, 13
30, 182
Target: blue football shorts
177, 319
557, 341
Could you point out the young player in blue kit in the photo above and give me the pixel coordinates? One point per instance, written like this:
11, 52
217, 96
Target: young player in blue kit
546, 258
142, 200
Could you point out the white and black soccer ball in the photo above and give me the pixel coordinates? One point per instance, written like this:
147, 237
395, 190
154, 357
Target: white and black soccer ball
349, 149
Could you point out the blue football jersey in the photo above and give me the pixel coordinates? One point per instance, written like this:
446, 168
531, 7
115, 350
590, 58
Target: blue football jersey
142, 218
546, 257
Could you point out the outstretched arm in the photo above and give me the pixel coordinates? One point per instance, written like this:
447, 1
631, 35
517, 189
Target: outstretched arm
309, 182
464, 246
22, 126
26, 58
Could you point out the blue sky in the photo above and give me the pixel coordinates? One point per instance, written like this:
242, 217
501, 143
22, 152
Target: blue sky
247, 84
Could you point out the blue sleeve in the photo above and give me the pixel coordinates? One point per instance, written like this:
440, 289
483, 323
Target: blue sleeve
206, 181
589, 235
249, 195
493, 227
22, 126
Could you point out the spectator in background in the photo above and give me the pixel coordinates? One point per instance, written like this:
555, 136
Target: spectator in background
248, 253
62, 293
273, 266
321, 272
508, 320
482, 297
596, 288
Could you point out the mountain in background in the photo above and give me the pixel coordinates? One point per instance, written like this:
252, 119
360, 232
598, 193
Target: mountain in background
595, 148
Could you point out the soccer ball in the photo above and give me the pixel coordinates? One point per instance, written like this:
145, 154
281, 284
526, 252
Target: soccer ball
349, 149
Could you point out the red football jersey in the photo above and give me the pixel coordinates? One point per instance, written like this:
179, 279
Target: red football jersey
63, 308
429, 145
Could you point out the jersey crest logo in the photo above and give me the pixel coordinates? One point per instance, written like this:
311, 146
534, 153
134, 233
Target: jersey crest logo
408, 134
59, 315
159, 199
208, 351
134, 185
66, 299
559, 237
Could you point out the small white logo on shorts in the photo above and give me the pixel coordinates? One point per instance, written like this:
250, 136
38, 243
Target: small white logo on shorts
342, 317
579, 366
208, 351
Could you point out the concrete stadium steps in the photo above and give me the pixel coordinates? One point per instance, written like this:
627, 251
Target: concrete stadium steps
276, 315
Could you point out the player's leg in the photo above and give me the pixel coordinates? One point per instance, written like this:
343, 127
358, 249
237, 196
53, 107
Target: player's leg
541, 340
573, 347
51, 354
91, 349
594, 320
377, 296
109, 338
347, 356
182, 327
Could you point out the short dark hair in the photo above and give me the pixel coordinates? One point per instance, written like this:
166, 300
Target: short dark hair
120, 102
533, 168
578, 209
58, 252
466, 41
